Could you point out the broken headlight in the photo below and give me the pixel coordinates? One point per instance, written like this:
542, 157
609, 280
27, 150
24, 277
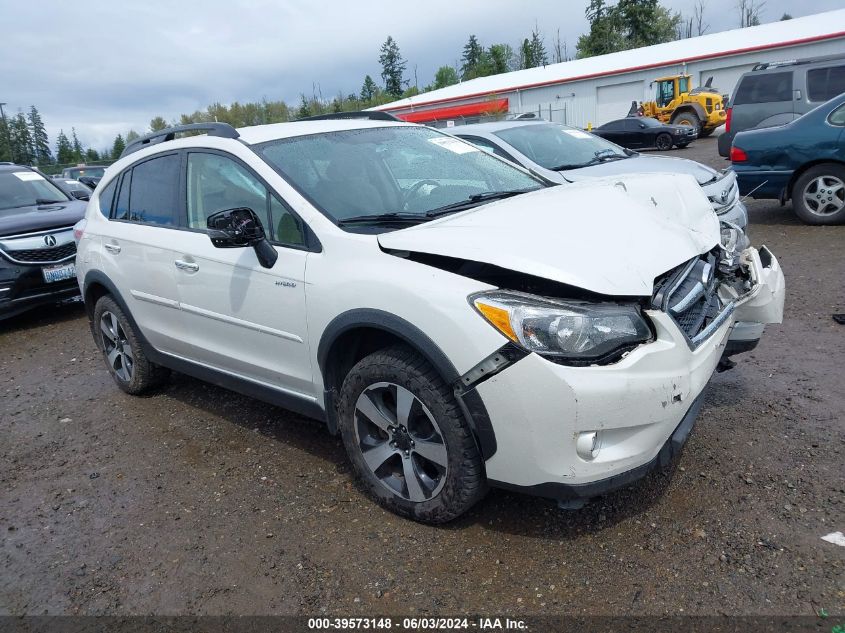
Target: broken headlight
563, 330
733, 242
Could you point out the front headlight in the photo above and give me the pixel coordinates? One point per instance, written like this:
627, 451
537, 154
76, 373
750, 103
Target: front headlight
563, 330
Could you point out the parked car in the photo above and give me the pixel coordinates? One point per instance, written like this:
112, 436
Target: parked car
776, 93
37, 249
460, 323
74, 188
564, 154
90, 175
803, 161
636, 132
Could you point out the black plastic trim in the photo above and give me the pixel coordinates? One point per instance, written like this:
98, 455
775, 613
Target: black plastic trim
221, 379
571, 492
471, 403
372, 115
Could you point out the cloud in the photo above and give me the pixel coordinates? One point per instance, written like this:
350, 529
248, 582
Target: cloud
106, 67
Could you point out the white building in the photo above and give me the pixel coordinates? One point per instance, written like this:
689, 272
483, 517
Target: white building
598, 89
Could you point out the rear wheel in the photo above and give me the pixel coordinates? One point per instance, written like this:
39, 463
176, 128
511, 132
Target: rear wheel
122, 351
818, 196
663, 142
406, 437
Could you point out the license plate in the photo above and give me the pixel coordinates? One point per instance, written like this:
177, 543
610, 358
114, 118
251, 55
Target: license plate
59, 273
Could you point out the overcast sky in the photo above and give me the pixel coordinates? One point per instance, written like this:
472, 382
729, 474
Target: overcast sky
107, 67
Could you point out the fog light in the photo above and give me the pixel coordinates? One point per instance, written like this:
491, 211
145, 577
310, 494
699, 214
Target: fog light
588, 445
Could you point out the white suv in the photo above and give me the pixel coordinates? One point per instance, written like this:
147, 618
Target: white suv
458, 321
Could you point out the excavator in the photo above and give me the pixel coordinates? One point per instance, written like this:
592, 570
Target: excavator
676, 103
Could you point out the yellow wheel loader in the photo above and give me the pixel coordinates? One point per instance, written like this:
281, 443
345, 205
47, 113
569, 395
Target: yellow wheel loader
678, 104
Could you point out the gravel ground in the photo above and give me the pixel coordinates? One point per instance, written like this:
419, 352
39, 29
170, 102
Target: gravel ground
197, 500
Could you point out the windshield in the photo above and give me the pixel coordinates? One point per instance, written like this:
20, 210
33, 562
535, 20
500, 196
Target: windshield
27, 189
404, 170
91, 172
559, 147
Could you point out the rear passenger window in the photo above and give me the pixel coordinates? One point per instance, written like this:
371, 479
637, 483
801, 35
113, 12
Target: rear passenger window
154, 191
765, 88
106, 198
823, 84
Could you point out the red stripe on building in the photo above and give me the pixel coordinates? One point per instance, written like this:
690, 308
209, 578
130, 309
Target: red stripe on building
606, 73
453, 112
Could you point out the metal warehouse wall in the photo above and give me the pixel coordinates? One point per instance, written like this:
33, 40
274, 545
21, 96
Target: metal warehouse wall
596, 101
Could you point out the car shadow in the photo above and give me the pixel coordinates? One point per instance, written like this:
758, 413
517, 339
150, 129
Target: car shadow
500, 510
770, 213
43, 316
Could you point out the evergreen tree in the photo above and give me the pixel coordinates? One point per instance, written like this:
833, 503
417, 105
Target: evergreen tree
132, 135
472, 59
21, 141
76, 146
445, 76
91, 155
500, 56
368, 90
628, 24
304, 108
64, 150
158, 123
535, 51
40, 141
392, 67
118, 147
5, 149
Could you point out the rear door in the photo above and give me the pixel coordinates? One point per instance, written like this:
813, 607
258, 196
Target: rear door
238, 316
138, 249
763, 99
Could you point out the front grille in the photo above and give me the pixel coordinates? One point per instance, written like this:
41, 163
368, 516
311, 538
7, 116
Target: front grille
689, 295
43, 255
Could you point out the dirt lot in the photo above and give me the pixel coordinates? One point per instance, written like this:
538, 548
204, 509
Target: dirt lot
197, 500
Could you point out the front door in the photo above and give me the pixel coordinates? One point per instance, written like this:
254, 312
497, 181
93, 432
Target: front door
239, 317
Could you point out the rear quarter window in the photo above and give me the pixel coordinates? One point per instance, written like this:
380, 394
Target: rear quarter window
106, 198
768, 88
823, 84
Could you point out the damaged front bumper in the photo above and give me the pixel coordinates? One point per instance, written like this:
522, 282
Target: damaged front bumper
632, 415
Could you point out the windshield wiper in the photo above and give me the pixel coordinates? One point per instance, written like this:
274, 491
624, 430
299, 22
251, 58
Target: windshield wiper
474, 200
383, 218
47, 201
601, 156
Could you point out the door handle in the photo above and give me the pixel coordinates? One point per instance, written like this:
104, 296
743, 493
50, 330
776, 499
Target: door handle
181, 264
112, 248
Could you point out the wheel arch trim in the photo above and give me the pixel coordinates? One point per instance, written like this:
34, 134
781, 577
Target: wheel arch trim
470, 402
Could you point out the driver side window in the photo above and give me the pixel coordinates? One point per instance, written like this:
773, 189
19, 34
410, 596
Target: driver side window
217, 183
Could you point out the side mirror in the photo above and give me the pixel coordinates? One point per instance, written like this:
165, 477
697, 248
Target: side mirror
241, 228
78, 194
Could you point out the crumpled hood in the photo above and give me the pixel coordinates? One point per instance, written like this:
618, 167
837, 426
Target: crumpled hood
41, 218
609, 236
644, 163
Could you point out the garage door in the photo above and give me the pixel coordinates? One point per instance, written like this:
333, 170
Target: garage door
613, 102
724, 79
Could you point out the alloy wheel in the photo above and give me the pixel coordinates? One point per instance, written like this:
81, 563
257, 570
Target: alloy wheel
400, 441
824, 195
116, 347
663, 142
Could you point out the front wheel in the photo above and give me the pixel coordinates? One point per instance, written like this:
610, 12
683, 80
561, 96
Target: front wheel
407, 439
663, 142
818, 196
688, 118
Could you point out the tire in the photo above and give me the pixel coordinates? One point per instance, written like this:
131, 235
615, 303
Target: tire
818, 196
687, 118
702, 133
122, 351
448, 474
663, 142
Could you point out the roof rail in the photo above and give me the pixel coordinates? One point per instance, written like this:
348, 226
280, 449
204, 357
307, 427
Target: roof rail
223, 130
796, 62
372, 115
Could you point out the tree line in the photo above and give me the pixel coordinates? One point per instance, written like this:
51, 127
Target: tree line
614, 27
